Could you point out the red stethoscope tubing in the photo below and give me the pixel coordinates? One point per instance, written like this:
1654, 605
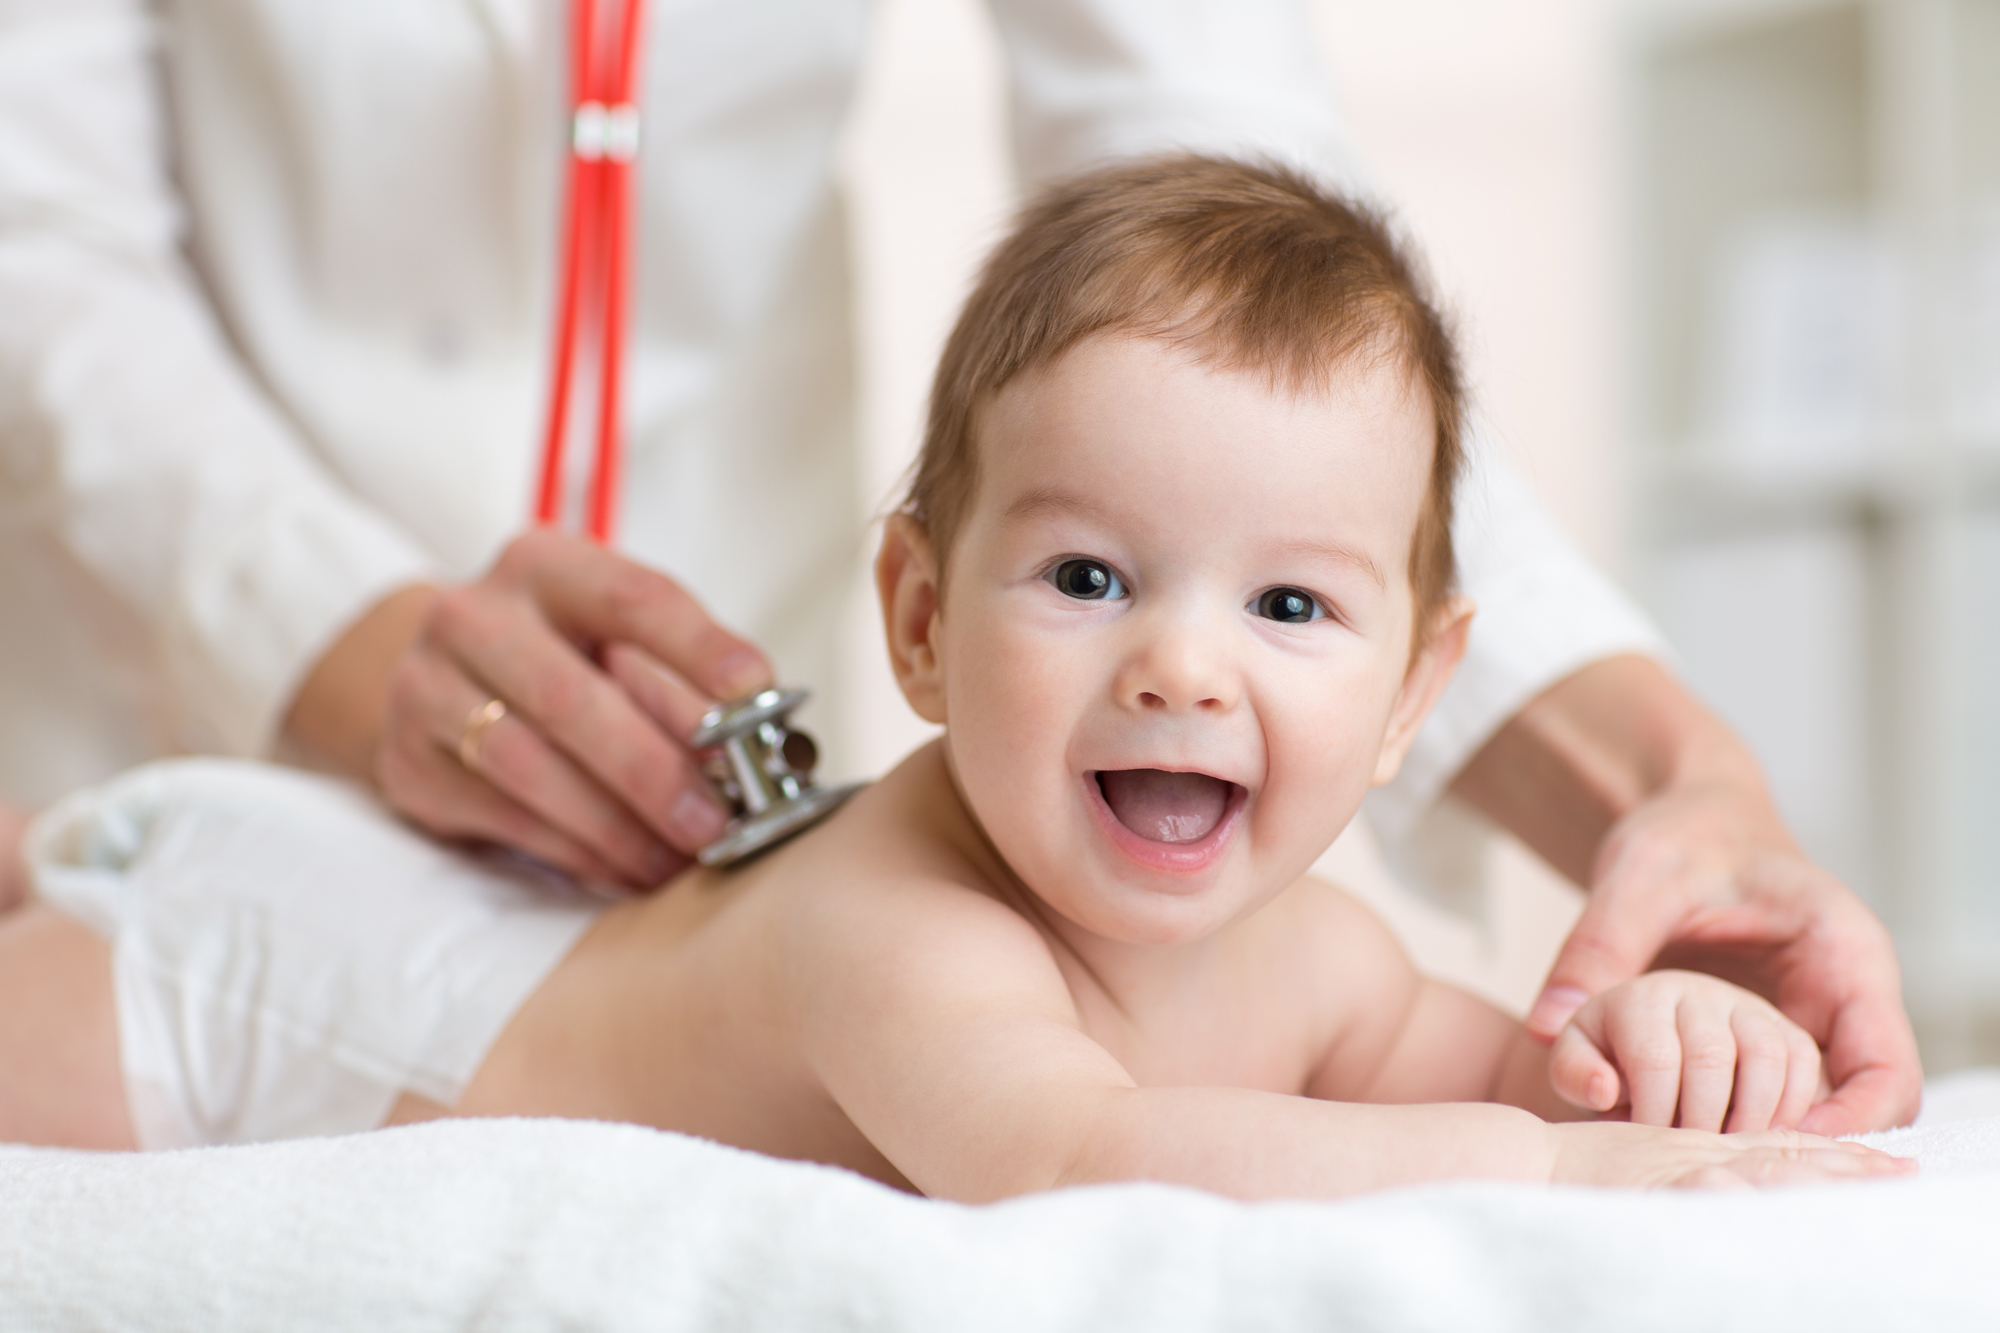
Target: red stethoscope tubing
596, 252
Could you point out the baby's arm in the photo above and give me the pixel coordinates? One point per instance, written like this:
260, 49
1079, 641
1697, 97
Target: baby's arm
1402, 1037
1666, 1048
940, 1023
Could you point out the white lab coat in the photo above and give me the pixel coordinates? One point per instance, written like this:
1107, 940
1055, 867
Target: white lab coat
275, 279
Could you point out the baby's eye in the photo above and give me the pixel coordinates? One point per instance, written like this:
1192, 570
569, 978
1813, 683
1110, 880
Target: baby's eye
1086, 580
1288, 605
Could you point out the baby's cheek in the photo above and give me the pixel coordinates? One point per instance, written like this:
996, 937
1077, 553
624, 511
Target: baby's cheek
1326, 715
1006, 712
1011, 681
1318, 765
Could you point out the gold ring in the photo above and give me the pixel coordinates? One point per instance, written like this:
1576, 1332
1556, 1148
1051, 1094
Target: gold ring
476, 724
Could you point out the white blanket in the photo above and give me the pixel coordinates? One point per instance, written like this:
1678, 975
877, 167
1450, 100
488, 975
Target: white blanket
558, 1225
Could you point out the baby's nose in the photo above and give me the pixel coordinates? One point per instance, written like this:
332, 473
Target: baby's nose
1181, 670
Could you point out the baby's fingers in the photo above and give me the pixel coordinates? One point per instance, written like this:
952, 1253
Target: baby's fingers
1762, 1066
1777, 1070
1804, 1085
1641, 1036
1708, 1065
1580, 1074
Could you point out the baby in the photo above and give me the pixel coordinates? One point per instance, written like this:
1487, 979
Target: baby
1175, 576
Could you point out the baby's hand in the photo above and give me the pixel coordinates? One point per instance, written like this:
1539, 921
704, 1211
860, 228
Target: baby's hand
1682, 1048
1642, 1157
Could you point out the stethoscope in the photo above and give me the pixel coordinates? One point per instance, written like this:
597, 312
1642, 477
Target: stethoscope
595, 262
760, 767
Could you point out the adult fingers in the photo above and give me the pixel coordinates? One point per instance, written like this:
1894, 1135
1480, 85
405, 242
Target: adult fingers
663, 692
1871, 1099
572, 750
13, 871
1631, 913
1763, 1057
513, 757
1580, 1073
429, 786
1708, 1064
507, 646
1871, 1054
598, 596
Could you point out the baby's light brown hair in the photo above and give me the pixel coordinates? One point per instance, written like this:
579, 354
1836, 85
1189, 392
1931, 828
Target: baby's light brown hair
1250, 266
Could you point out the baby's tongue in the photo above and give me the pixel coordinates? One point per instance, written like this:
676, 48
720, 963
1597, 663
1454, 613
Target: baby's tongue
1165, 807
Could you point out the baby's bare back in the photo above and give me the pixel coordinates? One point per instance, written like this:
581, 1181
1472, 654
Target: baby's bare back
676, 1010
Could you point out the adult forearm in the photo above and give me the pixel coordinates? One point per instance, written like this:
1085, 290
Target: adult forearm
1593, 747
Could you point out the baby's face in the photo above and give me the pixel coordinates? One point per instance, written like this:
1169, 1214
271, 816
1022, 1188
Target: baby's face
1174, 646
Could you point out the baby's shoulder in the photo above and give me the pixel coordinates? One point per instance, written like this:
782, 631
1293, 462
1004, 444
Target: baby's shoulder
880, 888
1318, 935
1318, 913
904, 902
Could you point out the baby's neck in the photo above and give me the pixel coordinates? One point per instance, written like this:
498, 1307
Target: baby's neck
1134, 978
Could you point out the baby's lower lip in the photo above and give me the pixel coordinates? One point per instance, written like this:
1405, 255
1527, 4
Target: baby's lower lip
1180, 858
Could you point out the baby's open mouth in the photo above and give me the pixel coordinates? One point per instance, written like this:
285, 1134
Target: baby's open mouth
1165, 807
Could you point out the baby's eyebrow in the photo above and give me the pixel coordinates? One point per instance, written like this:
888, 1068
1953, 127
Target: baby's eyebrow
1054, 500
1336, 552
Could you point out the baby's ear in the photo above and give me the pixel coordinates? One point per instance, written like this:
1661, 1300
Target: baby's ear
906, 579
1429, 672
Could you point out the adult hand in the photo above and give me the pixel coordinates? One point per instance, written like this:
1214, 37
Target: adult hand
579, 769
1621, 780
13, 870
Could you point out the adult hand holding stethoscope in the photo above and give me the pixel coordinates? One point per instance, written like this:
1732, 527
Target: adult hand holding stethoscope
603, 668
547, 705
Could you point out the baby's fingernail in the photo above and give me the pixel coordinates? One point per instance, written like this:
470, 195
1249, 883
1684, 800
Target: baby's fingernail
741, 672
1553, 1008
697, 817
1598, 1095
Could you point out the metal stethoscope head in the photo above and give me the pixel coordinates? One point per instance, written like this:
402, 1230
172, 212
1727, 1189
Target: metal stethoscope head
762, 770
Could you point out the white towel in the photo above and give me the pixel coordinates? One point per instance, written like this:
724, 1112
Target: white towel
529, 1225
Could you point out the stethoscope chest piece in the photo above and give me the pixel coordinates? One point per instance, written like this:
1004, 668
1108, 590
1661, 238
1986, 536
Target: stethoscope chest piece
762, 770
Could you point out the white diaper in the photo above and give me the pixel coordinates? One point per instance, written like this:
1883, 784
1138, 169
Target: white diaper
287, 956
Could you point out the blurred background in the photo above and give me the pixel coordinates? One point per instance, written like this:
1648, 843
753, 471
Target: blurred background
1728, 277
